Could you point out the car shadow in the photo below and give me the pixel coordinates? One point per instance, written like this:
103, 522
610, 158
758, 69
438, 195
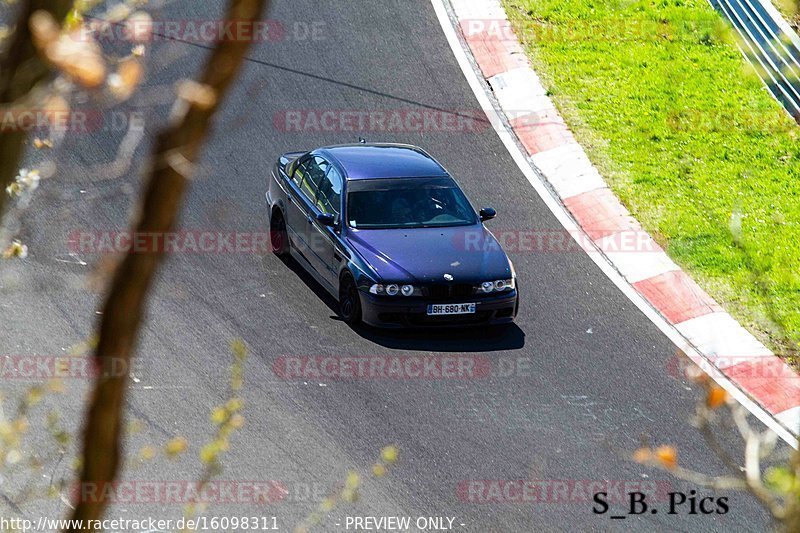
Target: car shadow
467, 339
290, 263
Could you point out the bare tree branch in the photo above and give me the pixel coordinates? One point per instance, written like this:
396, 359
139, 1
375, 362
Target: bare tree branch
177, 150
711, 439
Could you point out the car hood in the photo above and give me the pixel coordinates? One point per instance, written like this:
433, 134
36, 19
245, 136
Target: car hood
425, 255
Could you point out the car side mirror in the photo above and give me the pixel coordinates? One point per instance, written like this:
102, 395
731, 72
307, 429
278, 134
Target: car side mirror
326, 219
487, 213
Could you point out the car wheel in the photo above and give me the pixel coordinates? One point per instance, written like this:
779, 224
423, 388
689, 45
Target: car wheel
516, 305
278, 236
349, 301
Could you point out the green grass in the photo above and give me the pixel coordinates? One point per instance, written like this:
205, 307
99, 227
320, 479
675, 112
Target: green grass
688, 137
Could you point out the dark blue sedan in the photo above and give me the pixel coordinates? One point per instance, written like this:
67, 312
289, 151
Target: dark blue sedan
389, 233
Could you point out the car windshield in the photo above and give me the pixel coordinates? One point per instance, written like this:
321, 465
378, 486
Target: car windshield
407, 203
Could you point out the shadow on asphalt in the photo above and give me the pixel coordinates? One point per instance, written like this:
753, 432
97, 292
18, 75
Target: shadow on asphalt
472, 339
468, 339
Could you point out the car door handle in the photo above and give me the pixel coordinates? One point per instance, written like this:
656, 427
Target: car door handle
289, 198
309, 219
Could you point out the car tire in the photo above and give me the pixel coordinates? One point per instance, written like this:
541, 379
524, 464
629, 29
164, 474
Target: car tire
516, 305
278, 236
349, 301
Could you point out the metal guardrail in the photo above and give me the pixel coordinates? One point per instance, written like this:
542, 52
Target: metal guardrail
770, 44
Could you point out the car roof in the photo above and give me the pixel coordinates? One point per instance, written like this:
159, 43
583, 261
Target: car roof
372, 161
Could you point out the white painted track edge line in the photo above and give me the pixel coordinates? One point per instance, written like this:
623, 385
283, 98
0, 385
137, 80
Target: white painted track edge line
564, 218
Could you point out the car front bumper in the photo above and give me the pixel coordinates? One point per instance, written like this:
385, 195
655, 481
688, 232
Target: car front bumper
401, 312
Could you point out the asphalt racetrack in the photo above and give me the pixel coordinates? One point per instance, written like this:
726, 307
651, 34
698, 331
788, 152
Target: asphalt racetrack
572, 387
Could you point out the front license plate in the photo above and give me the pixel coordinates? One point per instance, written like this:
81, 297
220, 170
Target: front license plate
451, 309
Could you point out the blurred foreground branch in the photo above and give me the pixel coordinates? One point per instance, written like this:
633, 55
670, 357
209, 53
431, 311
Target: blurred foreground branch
177, 151
776, 488
21, 69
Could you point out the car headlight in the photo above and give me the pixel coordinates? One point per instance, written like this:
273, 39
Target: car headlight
377, 289
499, 285
393, 289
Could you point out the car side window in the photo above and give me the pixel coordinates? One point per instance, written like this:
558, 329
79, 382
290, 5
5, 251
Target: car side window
330, 193
315, 174
300, 172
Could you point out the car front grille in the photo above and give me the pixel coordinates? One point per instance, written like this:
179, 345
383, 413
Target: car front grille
445, 291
